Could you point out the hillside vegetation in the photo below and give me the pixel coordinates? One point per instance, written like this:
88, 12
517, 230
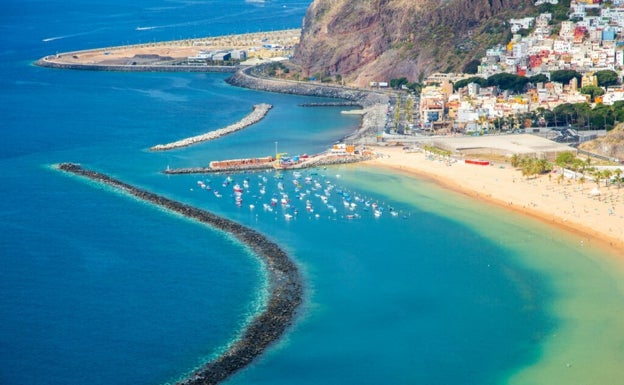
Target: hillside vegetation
377, 40
611, 145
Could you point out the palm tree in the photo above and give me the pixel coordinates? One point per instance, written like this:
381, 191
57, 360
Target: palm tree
618, 176
543, 165
607, 175
597, 175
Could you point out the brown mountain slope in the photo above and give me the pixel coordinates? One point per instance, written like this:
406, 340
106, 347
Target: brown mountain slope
611, 145
376, 40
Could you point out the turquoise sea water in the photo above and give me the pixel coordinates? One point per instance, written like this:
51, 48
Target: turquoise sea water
99, 288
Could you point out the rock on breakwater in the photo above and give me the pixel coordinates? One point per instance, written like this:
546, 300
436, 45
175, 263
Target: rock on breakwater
258, 113
49, 62
253, 78
286, 288
373, 103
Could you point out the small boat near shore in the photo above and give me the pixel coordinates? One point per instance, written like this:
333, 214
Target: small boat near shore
478, 162
319, 197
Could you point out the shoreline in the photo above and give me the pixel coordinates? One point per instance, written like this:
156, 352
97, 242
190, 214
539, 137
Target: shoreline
564, 205
173, 55
258, 113
286, 287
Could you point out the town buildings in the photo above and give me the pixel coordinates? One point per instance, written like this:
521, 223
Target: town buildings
591, 40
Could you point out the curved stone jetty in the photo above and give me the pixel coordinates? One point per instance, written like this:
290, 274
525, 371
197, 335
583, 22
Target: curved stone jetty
373, 103
259, 112
286, 288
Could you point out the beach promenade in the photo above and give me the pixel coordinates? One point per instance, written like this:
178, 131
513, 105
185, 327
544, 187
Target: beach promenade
555, 200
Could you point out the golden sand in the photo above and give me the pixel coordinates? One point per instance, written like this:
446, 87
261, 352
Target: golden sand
562, 202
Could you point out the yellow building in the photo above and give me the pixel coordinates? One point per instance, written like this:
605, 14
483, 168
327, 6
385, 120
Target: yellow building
589, 79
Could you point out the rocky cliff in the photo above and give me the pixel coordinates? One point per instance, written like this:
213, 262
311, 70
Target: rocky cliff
611, 145
377, 40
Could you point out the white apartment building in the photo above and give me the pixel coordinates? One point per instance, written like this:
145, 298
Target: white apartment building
518, 24
520, 49
612, 96
562, 46
567, 30
616, 15
578, 10
540, 2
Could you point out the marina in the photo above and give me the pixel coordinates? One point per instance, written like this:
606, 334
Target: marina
314, 194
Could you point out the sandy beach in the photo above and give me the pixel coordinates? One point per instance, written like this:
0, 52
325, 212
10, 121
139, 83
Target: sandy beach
562, 202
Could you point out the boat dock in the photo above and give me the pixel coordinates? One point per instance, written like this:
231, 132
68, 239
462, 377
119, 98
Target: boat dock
269, 163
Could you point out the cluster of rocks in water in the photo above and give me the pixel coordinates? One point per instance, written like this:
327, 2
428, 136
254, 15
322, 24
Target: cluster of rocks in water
286, 290
259, 112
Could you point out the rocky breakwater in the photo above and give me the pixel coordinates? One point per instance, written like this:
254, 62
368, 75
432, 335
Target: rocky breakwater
254, 78
374, 104
258, 113
55, 61
286, 288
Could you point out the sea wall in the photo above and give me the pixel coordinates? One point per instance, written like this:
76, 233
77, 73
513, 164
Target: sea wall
286, 288
46, 62
258, 113
373, 103
254, 78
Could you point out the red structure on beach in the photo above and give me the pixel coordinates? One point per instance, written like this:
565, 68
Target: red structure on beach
477, 162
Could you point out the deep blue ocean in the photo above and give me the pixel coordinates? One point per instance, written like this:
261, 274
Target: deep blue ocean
98, 288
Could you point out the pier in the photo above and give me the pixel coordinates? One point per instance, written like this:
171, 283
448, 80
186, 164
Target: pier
259, 164
258, 113
286, 290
